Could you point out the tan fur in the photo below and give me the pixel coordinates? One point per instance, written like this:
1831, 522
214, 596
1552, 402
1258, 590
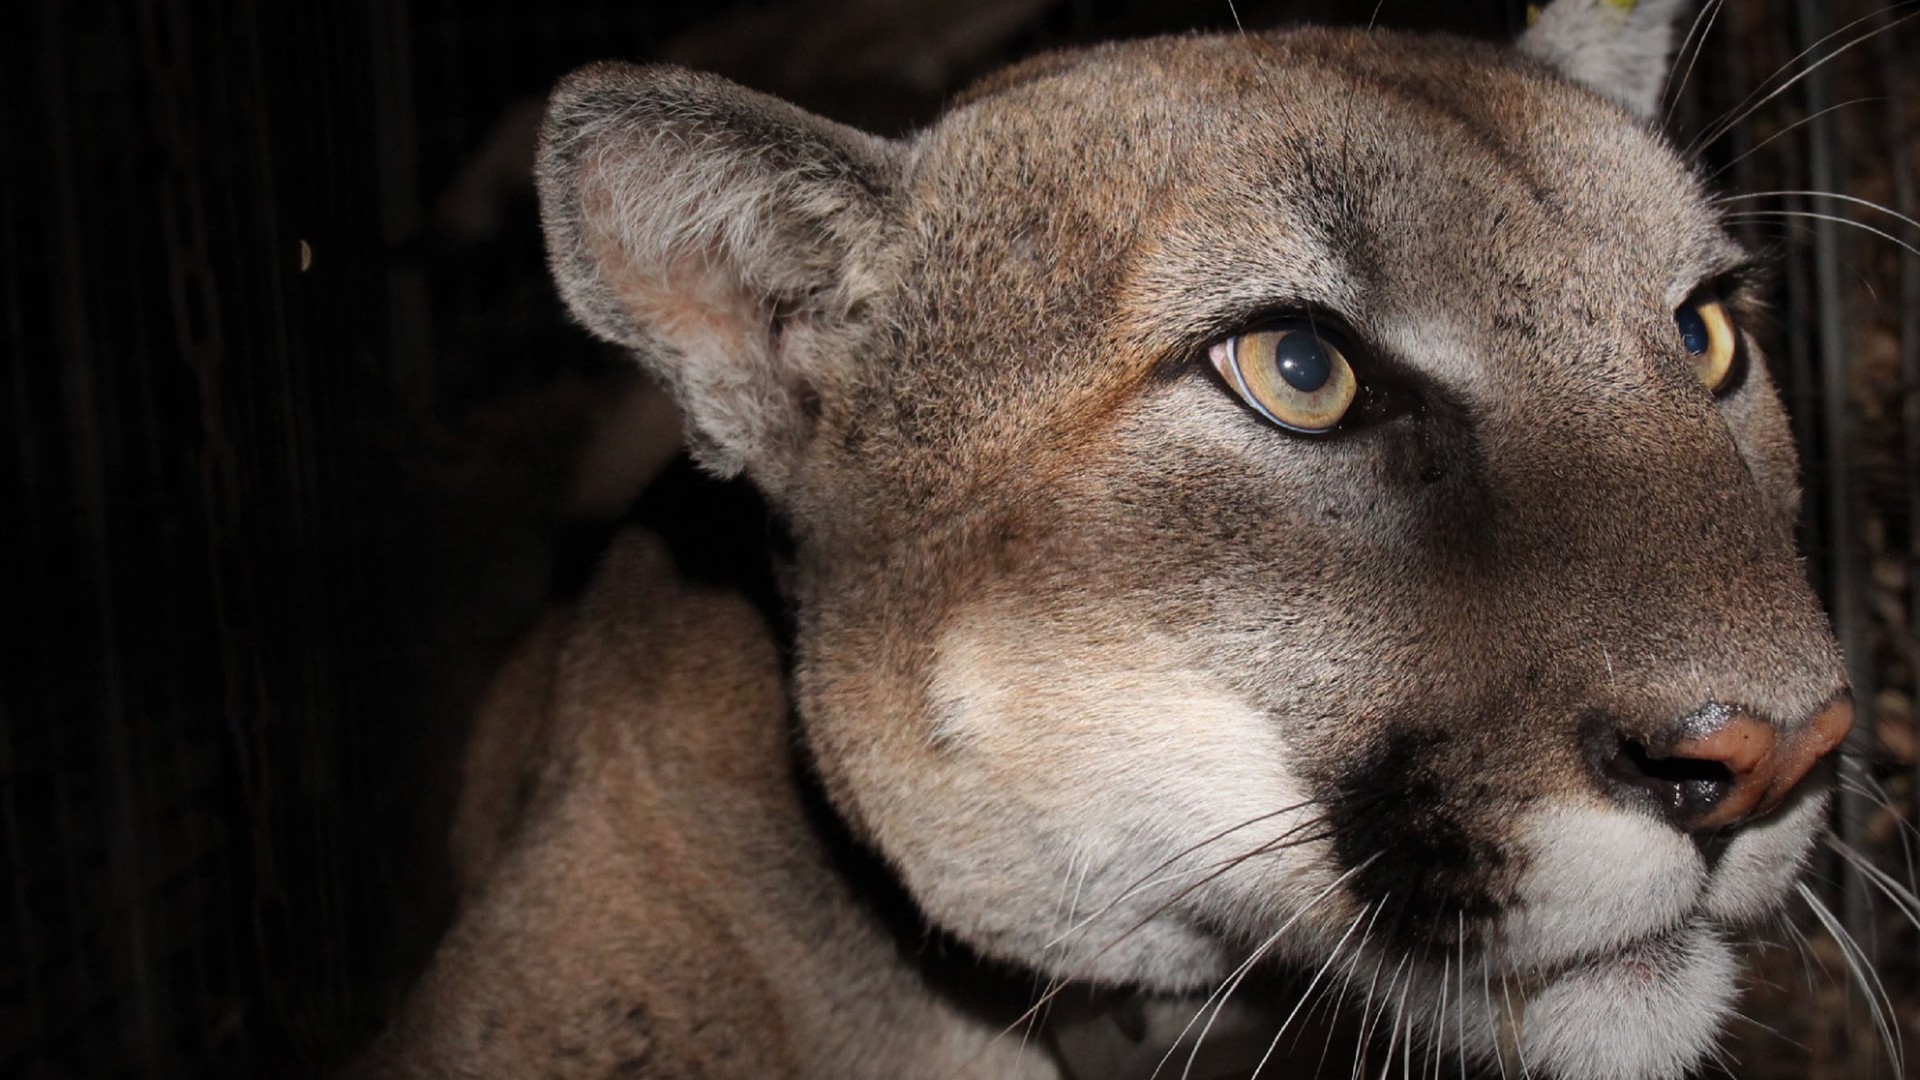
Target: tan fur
1121, 684
656, 906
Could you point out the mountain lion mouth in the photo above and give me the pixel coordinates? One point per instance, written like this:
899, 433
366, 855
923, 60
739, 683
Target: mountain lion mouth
1649, 1008
1645, 958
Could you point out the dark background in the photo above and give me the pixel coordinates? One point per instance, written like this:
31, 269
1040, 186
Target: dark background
292, 431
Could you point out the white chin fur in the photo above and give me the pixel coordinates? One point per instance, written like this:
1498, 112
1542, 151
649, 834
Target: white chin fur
1621, 909
1759, 867
1650, 1013
1599, 878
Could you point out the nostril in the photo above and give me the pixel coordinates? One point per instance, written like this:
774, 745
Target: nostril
1684, 789
1718, 767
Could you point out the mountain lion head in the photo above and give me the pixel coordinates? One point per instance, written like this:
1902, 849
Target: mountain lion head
1312, 497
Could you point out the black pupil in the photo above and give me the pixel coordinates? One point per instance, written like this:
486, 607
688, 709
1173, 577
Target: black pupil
1303, 362
1693, 330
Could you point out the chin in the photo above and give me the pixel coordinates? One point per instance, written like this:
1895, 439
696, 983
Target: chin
1616, 962
1648, 1010
1651, 1010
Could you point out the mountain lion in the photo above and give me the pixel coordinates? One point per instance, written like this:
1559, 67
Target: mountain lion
1292, 502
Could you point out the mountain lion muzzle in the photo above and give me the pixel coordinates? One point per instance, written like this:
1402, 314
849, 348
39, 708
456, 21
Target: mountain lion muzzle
1308, 499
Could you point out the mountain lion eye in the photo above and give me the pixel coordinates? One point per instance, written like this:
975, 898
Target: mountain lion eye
1707, 333
1289, 374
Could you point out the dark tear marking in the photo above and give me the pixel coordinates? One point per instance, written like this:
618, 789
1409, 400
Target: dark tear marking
1394, 809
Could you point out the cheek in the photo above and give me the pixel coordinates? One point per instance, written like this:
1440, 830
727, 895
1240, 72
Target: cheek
1109, 782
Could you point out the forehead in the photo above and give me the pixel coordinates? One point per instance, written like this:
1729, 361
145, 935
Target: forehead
1168, 187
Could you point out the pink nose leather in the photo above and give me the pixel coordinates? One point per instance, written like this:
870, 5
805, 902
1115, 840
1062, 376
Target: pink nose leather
1766, 764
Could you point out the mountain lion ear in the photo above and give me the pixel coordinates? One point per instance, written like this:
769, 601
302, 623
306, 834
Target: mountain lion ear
720, 234
1619, 48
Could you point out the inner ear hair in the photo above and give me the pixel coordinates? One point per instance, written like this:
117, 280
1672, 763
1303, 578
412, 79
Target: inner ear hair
694, 222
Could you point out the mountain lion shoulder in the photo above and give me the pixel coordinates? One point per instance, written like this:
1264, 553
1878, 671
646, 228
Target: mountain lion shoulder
1303, 499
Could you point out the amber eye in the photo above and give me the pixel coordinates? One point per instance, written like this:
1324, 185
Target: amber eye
1707, 333
1290, 374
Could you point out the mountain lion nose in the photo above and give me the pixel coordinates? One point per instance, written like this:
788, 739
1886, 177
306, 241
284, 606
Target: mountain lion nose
1718, 767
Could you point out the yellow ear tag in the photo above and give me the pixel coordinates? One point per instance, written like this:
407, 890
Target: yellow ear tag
1624, 7
1622, 11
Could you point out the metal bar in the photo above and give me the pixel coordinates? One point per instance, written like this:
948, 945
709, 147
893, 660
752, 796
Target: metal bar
1906, 200
1847, 552
410, 321
127, 837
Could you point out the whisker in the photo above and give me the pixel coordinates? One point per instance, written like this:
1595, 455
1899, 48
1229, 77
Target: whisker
1393, 1040
1808, 962
1867, 788
1148, 879
1222, 993
1789, 129
1239, 974
1368, 1017
1219, 870
1426, 952
1755, 215
1728, 121
1460, 1023
1902, 897
1722, 1058
1863, 784
1400, 1014
1346, 983
1770, 1030
1060, 985
1719, 131
1696, 40
1863, 976
1071, 904
1856, 200
1513, 1025
1332, 957
1486, 991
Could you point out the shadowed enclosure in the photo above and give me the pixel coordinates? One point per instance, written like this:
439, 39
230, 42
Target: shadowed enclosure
297, 440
